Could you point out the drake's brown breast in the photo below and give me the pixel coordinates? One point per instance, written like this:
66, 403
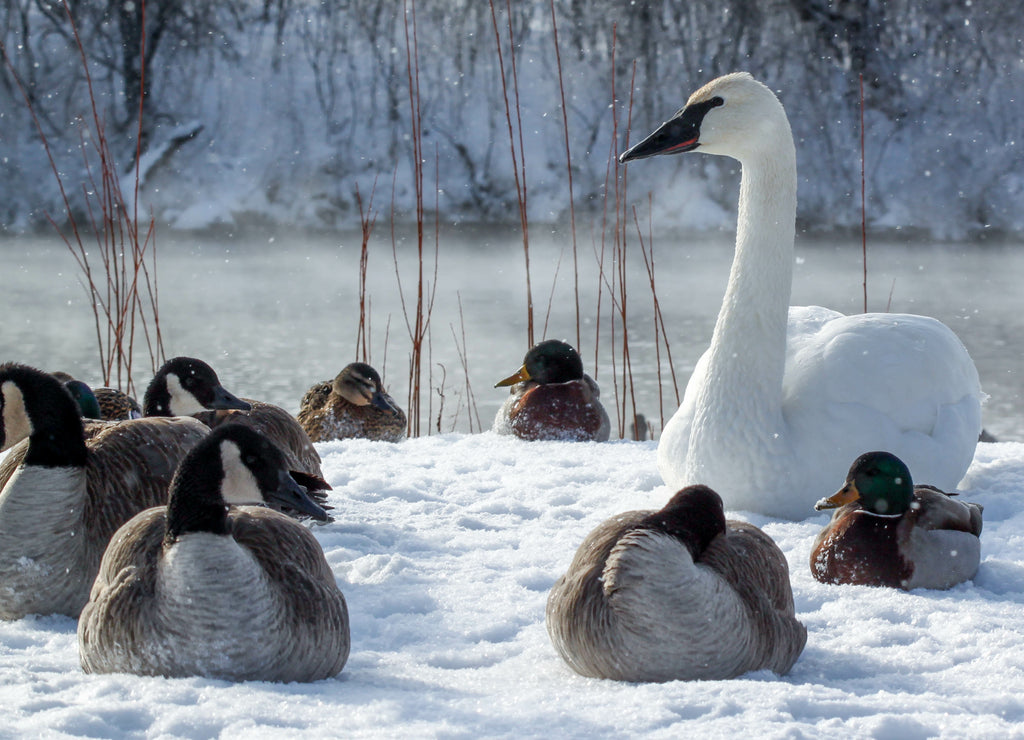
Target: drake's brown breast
563, 411
860, 549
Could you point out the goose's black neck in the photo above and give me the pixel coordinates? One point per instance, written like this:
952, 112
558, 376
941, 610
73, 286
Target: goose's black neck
56, 438
195, 503
694, 516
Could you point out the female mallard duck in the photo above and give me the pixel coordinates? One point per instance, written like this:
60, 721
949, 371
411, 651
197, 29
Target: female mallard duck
216, 585
354, 404
678, 593
185, 386
63, 495
117, 405
785, 397
888, 532
552, 398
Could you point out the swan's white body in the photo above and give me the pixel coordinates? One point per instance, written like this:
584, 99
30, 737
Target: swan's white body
785, 397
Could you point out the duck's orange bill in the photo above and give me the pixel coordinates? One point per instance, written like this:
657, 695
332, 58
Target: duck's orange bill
845, 495
519, 376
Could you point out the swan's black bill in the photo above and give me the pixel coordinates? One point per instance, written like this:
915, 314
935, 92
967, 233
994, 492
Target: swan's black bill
679, 134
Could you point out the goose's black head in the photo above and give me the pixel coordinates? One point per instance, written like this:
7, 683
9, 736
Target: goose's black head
185, 386
233, 465
694, 516
36, 406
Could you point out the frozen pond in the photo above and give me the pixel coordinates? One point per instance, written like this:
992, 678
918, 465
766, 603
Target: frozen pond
274, 315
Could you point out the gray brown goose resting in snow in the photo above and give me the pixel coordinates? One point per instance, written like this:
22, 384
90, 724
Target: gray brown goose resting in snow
676, 594
62, 496
215, 584
354, 404
185, 386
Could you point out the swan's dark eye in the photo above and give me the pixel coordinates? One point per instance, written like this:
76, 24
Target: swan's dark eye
716, 101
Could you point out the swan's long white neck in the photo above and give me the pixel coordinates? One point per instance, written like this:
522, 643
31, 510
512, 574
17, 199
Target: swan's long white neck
743, 390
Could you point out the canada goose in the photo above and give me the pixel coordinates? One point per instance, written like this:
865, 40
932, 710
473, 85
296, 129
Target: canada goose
354, 404
785, 397
62, 496
676, 594
212, 585
552, 398
185, 386
889, 532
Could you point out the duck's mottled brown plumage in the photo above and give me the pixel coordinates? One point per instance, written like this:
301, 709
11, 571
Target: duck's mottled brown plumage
353, 405
676, 594
117, 405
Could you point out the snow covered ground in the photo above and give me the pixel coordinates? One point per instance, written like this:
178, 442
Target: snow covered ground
445, 548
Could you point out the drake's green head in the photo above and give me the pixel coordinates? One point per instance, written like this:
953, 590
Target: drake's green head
550, 361
879, 480
85, 398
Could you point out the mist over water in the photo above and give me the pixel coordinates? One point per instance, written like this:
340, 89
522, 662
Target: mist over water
275, 315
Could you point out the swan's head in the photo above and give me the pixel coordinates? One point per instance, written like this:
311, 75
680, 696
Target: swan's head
734, 115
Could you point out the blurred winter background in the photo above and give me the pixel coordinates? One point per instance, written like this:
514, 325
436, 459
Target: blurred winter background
292, 104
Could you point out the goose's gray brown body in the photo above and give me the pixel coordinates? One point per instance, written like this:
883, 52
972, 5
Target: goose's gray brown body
212, 586
142, 617
65, 490
638, 605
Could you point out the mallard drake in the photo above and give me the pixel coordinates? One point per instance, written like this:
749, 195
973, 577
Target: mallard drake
88, 404
678, 593
785, 397
185, 386
354, 404
214, 584
107, 404
552, 398
889, 532
63, 495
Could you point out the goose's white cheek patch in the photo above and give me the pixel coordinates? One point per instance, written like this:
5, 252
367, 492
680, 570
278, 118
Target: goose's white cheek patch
17, 425
182, 402
239, 485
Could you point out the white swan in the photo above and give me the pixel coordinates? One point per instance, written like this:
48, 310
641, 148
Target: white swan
775, 411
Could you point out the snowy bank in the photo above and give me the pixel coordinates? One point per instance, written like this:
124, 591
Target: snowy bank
445, 548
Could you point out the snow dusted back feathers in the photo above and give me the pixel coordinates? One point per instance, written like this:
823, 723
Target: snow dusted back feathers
676, 594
